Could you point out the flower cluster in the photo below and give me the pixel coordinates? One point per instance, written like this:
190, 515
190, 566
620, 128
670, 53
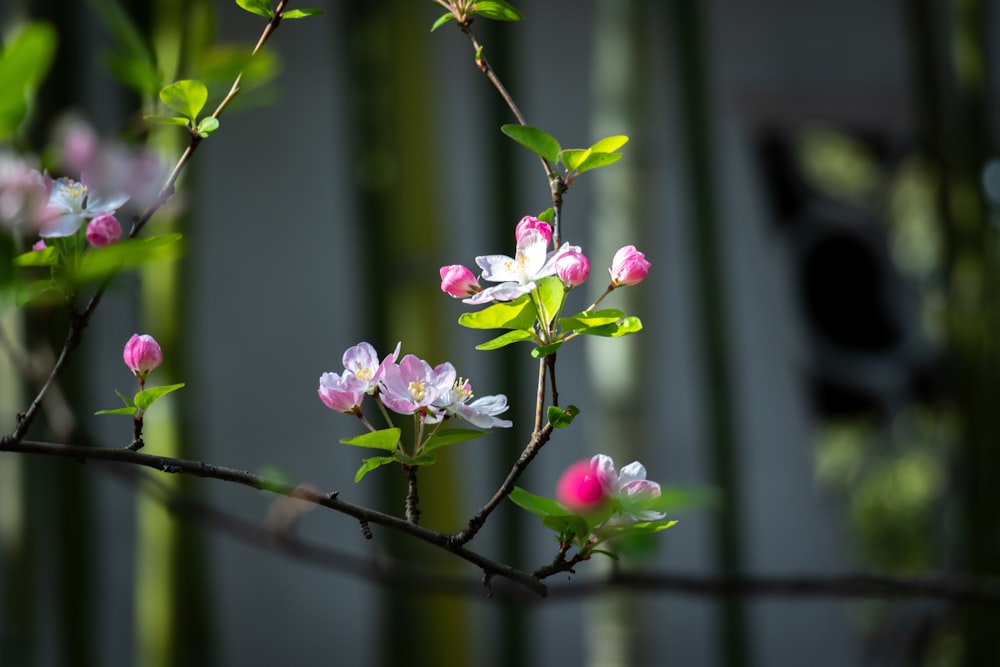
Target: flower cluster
590, 487
533, 260
407, 386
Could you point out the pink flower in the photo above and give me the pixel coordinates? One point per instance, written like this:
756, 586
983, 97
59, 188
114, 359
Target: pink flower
580, 489
142, 354
528, 222
341, 393
39, 245
413, 385
362, 362
628, 267
458, 281
103, 231
572, 267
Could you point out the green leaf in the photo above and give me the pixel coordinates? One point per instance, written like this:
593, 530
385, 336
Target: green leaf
133, 62
44, 291
628, 325
610, 144
552, 293
537, 505
258, 7
497, 10
547, 215
301, 13
450, 437
545, 350
595, 160
371, 464
118, 411
207, 126
24, 63
129, 403
573, 157
587, 320
147, 397
503, 340
167, 120
516, 314
574, 527
102, 262
187, 97
560, 418
387, 439
444, 18
422, 460
535, 140
47, 257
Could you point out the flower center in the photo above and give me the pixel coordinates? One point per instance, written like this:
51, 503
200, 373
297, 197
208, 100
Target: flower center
75, 190
417, 389
463, 390
365, 374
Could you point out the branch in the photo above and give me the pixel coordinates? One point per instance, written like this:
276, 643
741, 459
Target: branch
173, 465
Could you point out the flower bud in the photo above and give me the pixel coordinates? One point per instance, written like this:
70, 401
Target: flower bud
572, 267
142, 354
458, 281
579, 489
528, 222
628, 267
39, 245
103, 231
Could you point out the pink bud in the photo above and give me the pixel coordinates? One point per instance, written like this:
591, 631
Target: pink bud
142, 354
579, 489
103, 231
458, 281
572, 267
628, 267
528, 222
39, 245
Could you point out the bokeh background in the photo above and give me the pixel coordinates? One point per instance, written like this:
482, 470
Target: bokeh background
814, 185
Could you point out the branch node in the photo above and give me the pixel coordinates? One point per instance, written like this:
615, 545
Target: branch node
136, 445
365, 529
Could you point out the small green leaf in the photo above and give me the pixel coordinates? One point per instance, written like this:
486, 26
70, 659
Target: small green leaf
610, 144
595, 160
187, 97
535, 140
301, 13
42, 291
444, 18
371, 464
503, 340
118, 411
552, 293
573, 527
547, 215
497, 10
167, 120
207, 126
25, 60
47, 257
587, 320
573, 157
258, 7
102, 262
545, 350
560, 418
537, 505
626, 326
422, 460
387, 439
129, 403
516, 314
147, 397
450, 437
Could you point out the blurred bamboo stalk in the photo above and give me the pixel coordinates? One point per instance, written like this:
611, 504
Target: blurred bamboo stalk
697, 113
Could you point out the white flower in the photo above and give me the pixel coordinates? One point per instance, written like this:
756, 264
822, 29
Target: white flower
70, 203
517, 274
630, 488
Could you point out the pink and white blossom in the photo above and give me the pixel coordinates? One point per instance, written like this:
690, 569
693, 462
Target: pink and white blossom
142, 355
481, 412
528, 222
573, 268
458, 281
628, 267
104, 231
70, 203
629, 487
517, 274
361, 360
341, 393
412, 385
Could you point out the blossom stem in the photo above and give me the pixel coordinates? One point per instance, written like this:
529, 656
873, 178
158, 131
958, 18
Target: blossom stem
412, 499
